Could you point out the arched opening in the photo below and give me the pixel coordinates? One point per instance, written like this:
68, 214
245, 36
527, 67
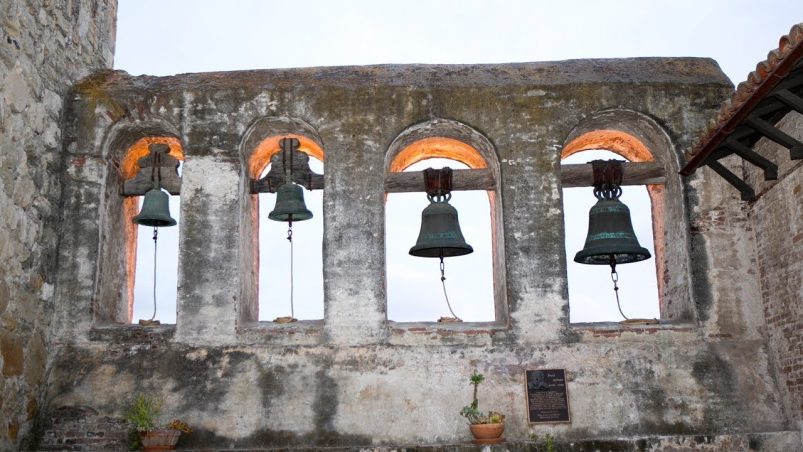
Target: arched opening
273, 252
591, 295
141, 255
414, 289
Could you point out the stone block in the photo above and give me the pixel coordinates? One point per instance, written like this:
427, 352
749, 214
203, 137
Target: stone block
35, 361
16, 92
3, 292
13, 429
11, 350
52, 103
31, 408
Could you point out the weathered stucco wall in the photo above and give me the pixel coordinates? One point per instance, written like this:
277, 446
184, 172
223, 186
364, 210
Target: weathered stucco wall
353, 377
777, 219
45, 46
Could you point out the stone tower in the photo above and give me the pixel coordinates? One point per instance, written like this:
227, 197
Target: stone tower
45, 46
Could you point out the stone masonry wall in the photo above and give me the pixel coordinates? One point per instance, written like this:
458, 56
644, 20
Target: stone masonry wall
777, 217
354, 378
45, 46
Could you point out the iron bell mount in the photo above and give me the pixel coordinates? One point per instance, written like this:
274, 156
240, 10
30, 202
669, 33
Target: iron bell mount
440, 234
155, 212
289, 207
611, 239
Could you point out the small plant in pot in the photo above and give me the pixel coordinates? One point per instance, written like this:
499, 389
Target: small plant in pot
144, 413
486, 428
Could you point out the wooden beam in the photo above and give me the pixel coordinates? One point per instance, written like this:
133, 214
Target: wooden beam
770, 168
790, 99
467, 179
646, 173
142, 182
579, 175
272, 182
747, 192
777, 135
302, 174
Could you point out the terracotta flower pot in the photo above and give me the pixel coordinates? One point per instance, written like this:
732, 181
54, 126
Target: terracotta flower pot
162, 439
487, 433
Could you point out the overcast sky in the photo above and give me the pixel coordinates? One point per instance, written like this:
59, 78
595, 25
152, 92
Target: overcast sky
163, 37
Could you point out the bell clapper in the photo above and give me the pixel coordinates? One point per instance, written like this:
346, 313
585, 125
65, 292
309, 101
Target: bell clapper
443, 283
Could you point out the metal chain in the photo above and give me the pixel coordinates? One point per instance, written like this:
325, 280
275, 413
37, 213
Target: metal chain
443, 283
615, 279
155, 235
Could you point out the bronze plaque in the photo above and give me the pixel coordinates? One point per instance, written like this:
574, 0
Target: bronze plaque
547, 397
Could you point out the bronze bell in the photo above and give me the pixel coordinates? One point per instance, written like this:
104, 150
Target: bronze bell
290, 204
440, 234
610, 238
155, 210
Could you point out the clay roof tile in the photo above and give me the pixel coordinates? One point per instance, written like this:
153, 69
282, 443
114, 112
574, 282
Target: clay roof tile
747, 89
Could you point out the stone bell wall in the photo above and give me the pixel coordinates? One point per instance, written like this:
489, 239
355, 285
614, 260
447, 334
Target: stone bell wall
721, 372
45, 46
354, 378
777, 222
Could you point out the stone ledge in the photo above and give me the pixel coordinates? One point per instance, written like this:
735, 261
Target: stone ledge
302, 332
123, 333
433, 333
310, 332
447, 327
616, 330
786, 441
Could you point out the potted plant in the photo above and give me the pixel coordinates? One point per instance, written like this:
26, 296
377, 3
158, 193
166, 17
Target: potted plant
486, 428
144, 413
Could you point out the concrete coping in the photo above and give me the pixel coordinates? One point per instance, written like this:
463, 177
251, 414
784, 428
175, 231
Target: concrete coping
662, 324
301, 327
458, 327
616, 330
655, 70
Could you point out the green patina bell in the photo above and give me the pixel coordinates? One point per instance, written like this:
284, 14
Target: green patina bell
290, 204
440, 234
155, 210
610, 238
